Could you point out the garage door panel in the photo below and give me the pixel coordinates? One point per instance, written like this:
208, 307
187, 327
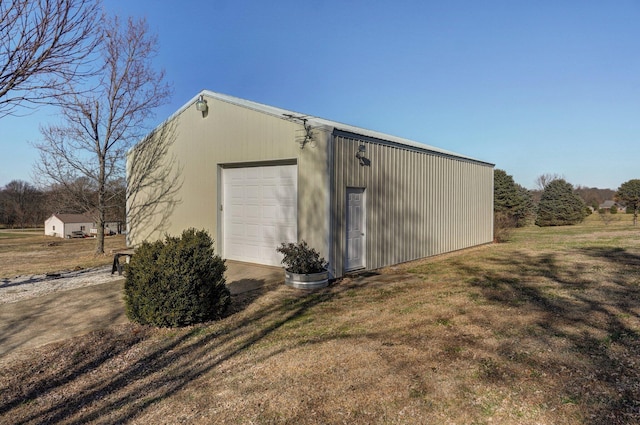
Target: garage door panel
281, 193
251, 251
237, 231
269, 212
251, 193
234, 249
276, 234
286, 215
259, 212
236, 210
252, 232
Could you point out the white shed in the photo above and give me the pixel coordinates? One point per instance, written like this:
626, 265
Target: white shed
62, 225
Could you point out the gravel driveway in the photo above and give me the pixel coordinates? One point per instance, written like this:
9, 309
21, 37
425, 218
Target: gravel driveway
48, 315
25, 287
39, 309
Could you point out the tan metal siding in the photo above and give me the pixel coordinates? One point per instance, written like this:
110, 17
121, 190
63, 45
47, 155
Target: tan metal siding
234, 135
418, 203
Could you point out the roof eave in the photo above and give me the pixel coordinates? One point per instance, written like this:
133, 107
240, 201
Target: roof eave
334, 126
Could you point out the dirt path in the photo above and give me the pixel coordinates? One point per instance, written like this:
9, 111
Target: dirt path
58, 315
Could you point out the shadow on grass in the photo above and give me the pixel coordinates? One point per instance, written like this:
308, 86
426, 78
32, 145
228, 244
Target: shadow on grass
54, 316
585, 304
181, 357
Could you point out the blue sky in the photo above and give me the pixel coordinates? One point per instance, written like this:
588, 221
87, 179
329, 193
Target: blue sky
534, 87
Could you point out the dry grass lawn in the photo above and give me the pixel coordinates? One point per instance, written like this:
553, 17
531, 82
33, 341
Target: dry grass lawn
544, 329
26, 252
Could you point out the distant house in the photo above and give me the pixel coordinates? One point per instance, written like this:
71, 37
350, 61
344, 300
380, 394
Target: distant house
63, 225
606, 205
110, 228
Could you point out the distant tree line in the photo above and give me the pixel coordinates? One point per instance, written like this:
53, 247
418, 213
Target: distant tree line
555, 202
594, 197
23, 205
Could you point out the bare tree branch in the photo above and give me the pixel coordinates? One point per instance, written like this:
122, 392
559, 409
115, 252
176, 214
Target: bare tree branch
44, 44
544, 179
153, 183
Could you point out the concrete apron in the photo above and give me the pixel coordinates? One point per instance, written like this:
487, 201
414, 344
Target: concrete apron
61, 315
244, 277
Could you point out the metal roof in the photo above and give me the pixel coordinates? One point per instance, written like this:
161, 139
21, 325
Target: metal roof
73, 218
321, 122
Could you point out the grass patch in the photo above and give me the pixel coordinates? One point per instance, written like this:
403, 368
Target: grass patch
542, 329
20, 234
31, 252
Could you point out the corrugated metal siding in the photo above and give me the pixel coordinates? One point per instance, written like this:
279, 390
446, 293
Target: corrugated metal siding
418, 203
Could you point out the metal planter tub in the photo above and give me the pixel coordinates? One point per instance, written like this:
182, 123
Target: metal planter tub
306, 281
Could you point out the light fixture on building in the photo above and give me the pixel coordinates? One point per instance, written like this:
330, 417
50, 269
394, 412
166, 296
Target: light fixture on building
201, 105
362, 149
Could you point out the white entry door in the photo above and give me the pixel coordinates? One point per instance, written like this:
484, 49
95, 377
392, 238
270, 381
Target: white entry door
259, 212
355, 229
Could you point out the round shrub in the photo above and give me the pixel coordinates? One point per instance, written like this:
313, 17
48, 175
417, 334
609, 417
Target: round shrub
301, 258
560, 205
176, 282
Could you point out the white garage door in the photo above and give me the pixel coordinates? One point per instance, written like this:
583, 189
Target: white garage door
259, 212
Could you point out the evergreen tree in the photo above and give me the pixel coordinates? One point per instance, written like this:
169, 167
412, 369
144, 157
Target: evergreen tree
629, 194
512, 205
559, 205
525, 208
505, 193
511, 201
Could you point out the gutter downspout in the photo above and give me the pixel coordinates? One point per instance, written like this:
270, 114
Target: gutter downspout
332, 204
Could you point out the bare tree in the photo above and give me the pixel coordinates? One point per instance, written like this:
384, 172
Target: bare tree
73, 196
43, 45
544, 179
118, 211
85, 153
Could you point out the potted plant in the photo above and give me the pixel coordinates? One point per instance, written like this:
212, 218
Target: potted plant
303, 266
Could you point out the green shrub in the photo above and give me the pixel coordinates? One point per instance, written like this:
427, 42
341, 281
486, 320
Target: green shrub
503, 225
176, 282
300, 258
